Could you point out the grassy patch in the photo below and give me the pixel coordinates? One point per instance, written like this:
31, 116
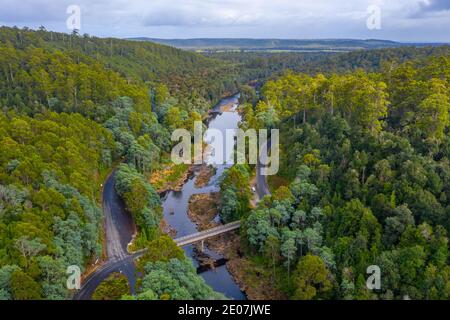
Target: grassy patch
171, 177
275, 182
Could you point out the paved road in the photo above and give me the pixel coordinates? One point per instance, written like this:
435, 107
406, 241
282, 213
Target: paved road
125, 266
119, 225
119, 228
262, 187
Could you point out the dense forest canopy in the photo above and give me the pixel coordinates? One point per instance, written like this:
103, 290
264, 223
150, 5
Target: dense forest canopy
365, 160
259, 66
49, 219
72, 107
186, 74
241, 44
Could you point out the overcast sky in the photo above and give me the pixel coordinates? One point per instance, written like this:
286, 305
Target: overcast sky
401, 20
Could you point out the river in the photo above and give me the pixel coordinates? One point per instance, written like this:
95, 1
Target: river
175, 204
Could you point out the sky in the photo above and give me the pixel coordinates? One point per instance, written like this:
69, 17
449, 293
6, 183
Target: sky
398, 20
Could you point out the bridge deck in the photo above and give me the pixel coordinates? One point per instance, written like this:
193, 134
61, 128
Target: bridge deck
203, 235
199, 236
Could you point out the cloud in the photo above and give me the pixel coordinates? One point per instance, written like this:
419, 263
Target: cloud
192, 17
401, 19
30, 11
436, 5
196, 13
429, 8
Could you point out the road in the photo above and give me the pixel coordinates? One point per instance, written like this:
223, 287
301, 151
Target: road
262, 187
119, 228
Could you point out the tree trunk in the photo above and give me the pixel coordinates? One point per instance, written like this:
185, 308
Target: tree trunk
11, 73
332, 104
273, 264
363, 178
75, 95
289, 270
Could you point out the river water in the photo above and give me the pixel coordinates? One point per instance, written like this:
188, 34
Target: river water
175, 204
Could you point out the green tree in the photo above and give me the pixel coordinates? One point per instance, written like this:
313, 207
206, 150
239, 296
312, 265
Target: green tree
175, 280
272, 252
23, 287
161, 249
312, 279
432, 117
112, 288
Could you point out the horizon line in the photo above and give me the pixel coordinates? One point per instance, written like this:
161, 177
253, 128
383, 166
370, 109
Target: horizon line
234, 38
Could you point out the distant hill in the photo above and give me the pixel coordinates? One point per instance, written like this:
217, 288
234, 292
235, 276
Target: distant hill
229, 44
185, 73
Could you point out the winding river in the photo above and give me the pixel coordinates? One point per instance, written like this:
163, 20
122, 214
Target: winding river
175, 204
119, 225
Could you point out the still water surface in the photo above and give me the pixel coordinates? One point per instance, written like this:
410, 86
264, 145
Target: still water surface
175, 206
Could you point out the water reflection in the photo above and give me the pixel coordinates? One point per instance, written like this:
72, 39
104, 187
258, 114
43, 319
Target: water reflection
175, 204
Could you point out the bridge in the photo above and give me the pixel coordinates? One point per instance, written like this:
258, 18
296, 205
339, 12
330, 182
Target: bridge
204, 235
199, 236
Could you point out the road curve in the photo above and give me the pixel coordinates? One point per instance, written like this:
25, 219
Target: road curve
119, 228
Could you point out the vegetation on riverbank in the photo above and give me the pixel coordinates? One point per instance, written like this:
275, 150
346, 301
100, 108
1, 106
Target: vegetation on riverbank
205, 173
235, 193
72, 106
141, 201
174, 280
367, 160
203, 208
275, 182
168, 275
365, 155
254, 278
170, 178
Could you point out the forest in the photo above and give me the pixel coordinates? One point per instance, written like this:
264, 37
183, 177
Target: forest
261, 44
188, 75
72, 108
364, 176
258, 67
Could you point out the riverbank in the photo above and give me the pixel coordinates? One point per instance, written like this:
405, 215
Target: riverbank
171, 177
191, 204
202, 210
254, 280
228, 107
204, 175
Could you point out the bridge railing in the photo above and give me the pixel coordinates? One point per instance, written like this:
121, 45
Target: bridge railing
198, 236
202, 235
